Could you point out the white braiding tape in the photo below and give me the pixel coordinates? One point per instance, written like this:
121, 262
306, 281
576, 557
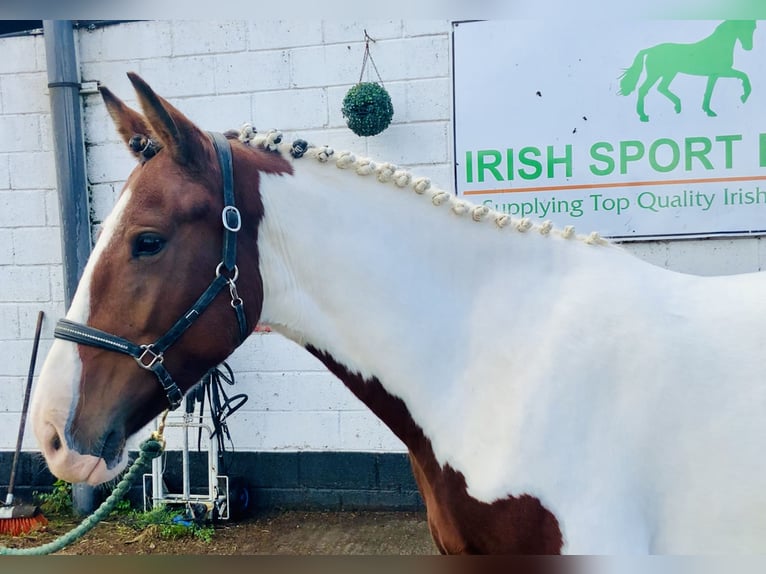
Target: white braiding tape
272, 140
402, 178
523, 224
365, 166
460, 207
594, 239
438, 197
324, 153
502, 219
546, 227
479, 212
247, 133
385, 172
421, 185
345, 159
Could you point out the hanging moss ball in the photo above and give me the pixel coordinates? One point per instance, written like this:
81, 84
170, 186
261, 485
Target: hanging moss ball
367, 108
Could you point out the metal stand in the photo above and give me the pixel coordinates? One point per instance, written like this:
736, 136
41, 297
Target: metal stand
214, 504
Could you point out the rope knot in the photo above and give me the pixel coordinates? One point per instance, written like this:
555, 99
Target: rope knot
299, 148
502, 219
365, 166
402, 178
460, 207
324, 154
345, 159
438, 197
386, 172
273, 139
479, 212
421, 185
247, 133
595, 239
524, 224
143, 145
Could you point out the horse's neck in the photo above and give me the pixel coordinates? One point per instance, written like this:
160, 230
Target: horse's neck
723, 37
387, 283
358, 268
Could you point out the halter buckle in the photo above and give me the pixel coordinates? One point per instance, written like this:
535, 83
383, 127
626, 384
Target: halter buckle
149, 358
232, 220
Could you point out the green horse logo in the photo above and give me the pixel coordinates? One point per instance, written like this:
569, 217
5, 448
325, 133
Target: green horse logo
712, 57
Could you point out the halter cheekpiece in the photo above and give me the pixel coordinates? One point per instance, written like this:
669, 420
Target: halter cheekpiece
151, 356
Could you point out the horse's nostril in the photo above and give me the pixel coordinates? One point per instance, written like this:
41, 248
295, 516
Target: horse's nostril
56, 442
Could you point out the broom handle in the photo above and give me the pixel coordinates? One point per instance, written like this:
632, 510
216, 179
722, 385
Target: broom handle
25, 407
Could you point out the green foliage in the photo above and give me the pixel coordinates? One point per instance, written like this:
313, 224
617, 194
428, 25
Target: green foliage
169, 524
122, 507
367, 108
204, 533
57, 502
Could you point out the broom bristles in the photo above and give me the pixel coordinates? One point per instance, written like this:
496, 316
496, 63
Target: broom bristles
22, 525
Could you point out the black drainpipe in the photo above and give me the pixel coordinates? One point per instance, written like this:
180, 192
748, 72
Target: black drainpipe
69, 149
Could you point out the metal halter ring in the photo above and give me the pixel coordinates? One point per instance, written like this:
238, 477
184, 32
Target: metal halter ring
220, 267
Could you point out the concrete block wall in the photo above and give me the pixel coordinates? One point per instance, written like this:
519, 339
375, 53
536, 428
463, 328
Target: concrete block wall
286, 74
30, 243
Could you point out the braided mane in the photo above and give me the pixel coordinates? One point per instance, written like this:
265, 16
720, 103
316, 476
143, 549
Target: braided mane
386, 172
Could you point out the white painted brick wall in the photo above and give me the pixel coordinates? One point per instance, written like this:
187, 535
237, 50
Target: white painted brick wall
129, 41
275, 35
5, 171
706, 256
286, 74
22, 133
30, 243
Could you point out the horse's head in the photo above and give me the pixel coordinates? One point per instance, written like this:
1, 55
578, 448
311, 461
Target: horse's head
159, 251
743, 31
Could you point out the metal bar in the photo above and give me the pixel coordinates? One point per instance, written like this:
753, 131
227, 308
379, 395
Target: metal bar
186, 471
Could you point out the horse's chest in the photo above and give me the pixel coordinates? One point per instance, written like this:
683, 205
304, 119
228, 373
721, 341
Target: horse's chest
461, 524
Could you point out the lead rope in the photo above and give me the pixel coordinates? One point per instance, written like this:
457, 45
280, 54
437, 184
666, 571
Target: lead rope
149, 449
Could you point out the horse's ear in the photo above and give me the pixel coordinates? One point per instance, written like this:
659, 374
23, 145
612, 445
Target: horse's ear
176, 132
129, 122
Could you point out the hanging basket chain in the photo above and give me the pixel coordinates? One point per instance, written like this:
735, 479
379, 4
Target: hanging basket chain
368, 57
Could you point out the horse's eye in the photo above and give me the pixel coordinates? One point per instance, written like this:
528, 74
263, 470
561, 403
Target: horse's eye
148, 244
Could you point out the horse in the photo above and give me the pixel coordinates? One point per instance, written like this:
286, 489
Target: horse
556, 394
712, 57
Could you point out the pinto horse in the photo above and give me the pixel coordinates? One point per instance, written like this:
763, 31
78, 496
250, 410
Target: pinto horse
556, 394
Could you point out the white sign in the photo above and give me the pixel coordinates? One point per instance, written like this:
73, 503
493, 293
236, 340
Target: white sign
638, 129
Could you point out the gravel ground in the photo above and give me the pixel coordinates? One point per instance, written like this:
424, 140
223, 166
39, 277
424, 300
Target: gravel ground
285, 533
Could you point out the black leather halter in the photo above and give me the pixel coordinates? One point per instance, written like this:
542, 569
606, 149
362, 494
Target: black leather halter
151, 356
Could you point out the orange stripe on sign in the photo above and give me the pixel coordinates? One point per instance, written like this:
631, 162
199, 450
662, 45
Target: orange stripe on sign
620, 184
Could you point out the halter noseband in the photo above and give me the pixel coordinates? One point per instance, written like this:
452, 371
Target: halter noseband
151, 357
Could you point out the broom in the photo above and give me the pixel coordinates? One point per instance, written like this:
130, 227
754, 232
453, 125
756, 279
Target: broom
16, 519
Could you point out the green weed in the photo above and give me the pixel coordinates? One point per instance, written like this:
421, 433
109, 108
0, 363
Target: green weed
169, 524
57, 502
